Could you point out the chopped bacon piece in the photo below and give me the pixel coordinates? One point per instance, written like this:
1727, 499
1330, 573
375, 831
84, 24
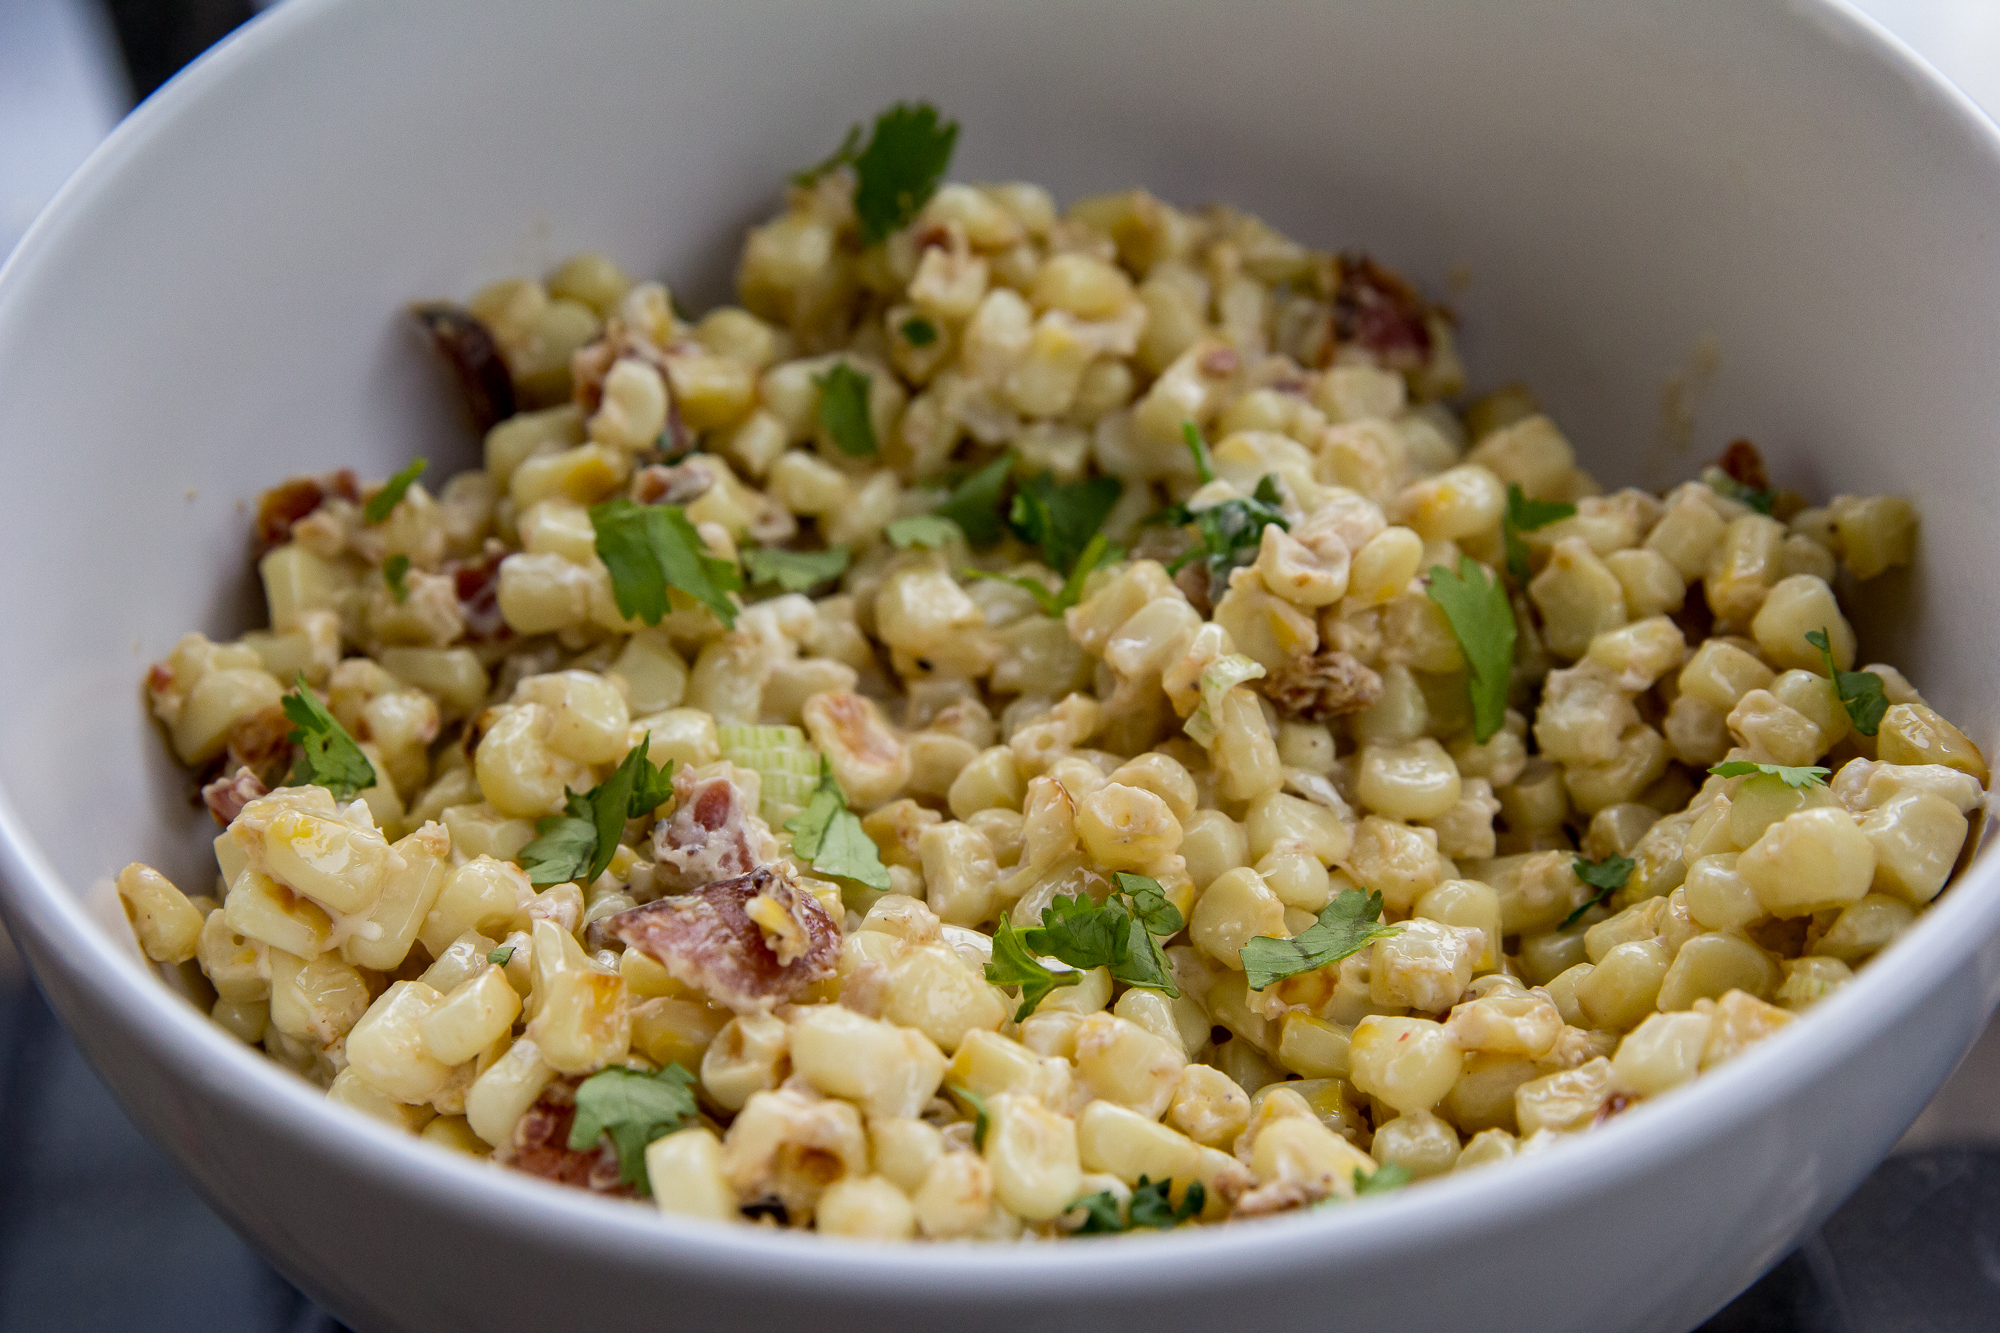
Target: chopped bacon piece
469, 348
714, 833
291, 500
541, 1146
1615, 1104
477, 583
261, 743
720, 939
680, 484
1279, 1196
1745, 465
1324, 685
226, 797
1375, 309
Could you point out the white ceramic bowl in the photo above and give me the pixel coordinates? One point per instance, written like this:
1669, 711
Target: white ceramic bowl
214, 304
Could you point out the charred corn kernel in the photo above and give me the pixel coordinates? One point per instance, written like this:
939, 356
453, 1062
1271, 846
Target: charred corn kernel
1809, 861
1507, 1022
1425, 965
1624, 986
588, 719
470, 1018
956, 1197
886, 1070
167, 924
1421, 1144
317, 1000
866, 1208
1740, 1021
1305, 1152
581, 1019
1865, 928
264, 910
1124, 1063
1127, 828
903, 1150
1032, 1152
1232, 911
1208, 1106
1410, 1063
684, 1172
386, 1046
1913, 734
337, 865
1565, 1101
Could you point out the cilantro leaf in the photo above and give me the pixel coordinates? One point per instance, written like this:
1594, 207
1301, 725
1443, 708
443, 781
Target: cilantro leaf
975, 502
1150, 905
1796, 777
1087, 934
634, 1109
1723, 484
1151, 1206
840, 157
843, 410
384, 501
1483, 623
1606, 876
925, 530
829, 835
1075, 930
918, 331
650, 548
1055, 603
1381, 1180
1348, 924
794, 571
328, 756
1862, 693
579, 844
980, 1120
1061, 519
1203, 468
899, 170
1013, 965
1525, 515
1229, 534
394, 570
501, 956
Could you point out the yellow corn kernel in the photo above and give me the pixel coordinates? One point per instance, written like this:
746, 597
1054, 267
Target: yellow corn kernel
1410, 1063
1914, 734
504, 1091
167, 924
903, 1150
684, 1171
865, 1208
1740, 1022
1232, 911
1865, 928
1809, 861
350, 1089
317, 1000
1208, 1106
1565, 1101
1124, 1063
474, 1015
264, 910
1660, 1054
1624, 986
1032, 1152
886, 1070
1421, 1144
582, 1020
386, 1047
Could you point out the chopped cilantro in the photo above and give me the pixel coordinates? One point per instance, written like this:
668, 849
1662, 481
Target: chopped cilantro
794, 571
1862, 693
634, 1109
829, 836
843, 410
1151, 1206
840, 157
1112, 935
1013, 965
328, 756
1055, 603
925, 530
1381, 1180
1483, 623
650, 548
980, 1120
1723, 484
1796, 777
1348, 924
918, 331
899, 170
578, 845
501, 956
1229, 534
975, 502
394, 570
1525, 515
385, 500
1062, 519
1203, 468
1606, 876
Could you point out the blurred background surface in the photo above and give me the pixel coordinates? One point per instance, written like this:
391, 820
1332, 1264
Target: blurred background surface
99, 1233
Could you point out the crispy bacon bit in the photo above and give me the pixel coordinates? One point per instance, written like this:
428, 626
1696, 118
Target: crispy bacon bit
1613, 1105
261, 743
592, 362
1280, 1196
1221, 361
1192, 580
1745, 465
1375, 309
474, 357
708, 940
289, 501
1324, 685
680, 484
477, 583
541, 1146
226, 797
714, 833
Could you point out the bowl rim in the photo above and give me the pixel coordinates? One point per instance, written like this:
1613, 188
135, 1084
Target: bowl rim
59, 933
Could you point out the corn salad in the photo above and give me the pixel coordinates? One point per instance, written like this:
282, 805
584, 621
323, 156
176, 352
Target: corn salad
1035, 722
